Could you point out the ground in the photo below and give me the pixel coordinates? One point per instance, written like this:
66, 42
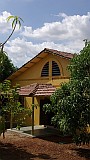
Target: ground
17, 146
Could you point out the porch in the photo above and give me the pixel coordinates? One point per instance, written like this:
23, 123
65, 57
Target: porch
43, 92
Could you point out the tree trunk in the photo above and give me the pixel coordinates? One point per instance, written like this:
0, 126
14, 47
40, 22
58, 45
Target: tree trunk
11, 120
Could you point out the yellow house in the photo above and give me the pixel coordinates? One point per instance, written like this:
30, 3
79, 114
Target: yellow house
39, 78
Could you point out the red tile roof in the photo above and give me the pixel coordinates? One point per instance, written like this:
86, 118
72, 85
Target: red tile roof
60, 53
45, 90
37, 90
27, 90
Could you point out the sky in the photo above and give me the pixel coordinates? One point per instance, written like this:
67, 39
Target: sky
54, 24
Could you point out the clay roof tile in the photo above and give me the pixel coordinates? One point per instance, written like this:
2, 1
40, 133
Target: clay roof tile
37, 90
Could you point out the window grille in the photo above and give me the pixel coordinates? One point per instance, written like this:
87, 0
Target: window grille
45, 70
55, 69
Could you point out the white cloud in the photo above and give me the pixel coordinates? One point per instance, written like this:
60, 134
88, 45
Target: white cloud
70, 27
61, 15
65, 35
20, 50
5, 25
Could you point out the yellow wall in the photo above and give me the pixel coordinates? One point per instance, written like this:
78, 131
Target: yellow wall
33, 75
28, 104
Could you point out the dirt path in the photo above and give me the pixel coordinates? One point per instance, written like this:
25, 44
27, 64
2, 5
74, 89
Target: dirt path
20, 147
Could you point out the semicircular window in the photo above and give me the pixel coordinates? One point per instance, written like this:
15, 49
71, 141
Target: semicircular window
45, 70
55, 69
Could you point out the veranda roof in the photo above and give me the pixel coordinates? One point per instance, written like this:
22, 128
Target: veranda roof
37, 90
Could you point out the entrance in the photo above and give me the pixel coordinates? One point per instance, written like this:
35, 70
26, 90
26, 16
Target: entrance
45, 118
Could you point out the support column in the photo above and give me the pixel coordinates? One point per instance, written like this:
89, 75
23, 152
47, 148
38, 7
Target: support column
32, 115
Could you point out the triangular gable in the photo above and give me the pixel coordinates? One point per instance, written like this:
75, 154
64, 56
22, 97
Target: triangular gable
37, 58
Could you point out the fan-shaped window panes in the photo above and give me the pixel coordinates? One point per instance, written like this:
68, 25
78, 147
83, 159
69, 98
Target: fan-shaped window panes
55, 69
45, 70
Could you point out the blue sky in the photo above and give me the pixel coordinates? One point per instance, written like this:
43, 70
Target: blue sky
55, 24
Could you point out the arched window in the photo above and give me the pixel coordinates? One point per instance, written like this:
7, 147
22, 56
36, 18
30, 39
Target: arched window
45, 70
55, 69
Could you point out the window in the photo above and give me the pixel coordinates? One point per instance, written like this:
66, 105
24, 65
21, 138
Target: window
45, 70
55, 69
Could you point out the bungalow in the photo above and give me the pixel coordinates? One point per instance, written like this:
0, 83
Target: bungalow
38, 79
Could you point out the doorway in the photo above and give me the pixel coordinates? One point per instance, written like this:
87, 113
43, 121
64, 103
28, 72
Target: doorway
45, 118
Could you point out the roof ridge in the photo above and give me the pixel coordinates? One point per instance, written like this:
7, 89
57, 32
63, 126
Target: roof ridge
50, 49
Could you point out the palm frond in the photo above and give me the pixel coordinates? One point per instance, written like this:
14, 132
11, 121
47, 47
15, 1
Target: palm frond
19, 24
21, 19
10, 17
13, 23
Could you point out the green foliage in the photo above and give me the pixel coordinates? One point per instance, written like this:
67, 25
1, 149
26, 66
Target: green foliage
80, 64
6, 66
2, 125
10, 105
16, 20
71, 102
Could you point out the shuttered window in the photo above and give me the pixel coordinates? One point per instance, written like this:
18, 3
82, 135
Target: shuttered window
55, 69
45, 70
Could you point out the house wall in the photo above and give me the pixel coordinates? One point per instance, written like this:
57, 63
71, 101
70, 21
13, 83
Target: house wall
28, 104
33, 75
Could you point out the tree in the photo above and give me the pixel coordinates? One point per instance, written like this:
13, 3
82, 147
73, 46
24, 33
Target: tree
8, 96
10, 107
71, 102
16, 20
6, 66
